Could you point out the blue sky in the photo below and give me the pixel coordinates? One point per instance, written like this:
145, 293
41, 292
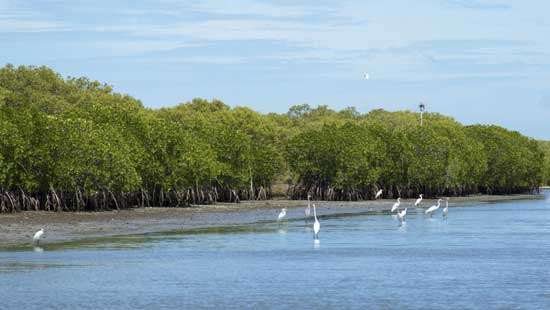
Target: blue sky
478, 61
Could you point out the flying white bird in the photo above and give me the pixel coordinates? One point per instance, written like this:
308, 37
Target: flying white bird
378, 194
446, 209
316, 225
282, 214
366, 76
418, 201
401, 215
37, 236
396, 205
307, 211
431, 210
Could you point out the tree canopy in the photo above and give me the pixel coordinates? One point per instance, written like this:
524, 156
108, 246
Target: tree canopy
75, 144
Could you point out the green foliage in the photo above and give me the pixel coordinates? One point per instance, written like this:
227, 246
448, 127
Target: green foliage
545, 148
513, 161
332, 159
244, 143
74, 143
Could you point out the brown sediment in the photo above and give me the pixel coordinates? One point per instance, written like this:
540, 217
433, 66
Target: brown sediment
18, 228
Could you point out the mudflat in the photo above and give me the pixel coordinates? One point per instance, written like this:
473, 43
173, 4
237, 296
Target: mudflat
17, 229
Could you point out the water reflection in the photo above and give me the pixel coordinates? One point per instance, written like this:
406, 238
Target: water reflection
316, 243
403, 226
38, 249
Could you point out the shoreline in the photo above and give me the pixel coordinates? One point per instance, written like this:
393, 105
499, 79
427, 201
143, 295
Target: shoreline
17, 229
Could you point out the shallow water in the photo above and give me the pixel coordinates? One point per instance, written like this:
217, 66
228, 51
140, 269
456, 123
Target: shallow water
483, 256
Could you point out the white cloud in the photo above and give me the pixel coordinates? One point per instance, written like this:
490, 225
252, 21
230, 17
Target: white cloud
207, 60
392, 39
17, 20
132, 47
247, 7
11, 25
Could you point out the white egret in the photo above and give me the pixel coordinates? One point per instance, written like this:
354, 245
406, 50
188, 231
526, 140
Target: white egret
418, 201
37, 236
446, 209
307, 211
396, 205
431, 210
401, 215
316, 225
378, 194
282, 214
366, 76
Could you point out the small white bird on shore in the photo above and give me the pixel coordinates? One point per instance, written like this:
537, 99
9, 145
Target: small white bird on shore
418, 201
37, 236
401, 215
431, 210
307, 211
316, 225
446, 209
282, 214
378, 194
395, 206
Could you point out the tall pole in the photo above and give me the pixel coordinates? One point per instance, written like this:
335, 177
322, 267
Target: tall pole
421, 107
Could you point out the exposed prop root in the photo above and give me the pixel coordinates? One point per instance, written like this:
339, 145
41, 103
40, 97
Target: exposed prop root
80, 200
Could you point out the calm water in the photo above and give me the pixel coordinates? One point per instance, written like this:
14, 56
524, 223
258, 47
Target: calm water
488, 256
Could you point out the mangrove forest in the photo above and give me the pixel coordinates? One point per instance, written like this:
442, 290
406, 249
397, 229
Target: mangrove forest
74, 144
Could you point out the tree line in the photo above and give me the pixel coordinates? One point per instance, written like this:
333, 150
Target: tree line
73, 144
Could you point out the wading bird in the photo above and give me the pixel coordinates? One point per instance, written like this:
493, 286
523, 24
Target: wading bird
282, 214
37, 236
418, 201
431, 210
378, 194
307, 211
446, 209
401, 215
396, 205
316, 225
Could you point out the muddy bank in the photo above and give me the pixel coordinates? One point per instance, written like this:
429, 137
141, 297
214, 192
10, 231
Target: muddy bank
17, 229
